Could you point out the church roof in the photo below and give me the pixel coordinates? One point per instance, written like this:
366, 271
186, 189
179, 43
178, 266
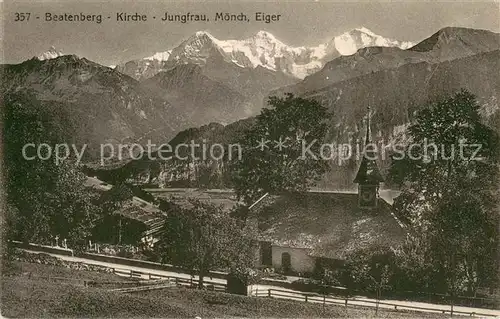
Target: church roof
182, 197
368, 172
327, 224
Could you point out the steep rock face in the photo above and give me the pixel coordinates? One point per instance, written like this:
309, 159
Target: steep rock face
203, 50
181, 169
394, 94
107, 106
254, 84
144, 68
203, 100
199, 48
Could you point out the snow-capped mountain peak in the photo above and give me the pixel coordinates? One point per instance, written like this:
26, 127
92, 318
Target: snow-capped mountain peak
195, 49
266, 40
265, 35
350, 42
160, 56
201, 37
263, 49
52, 53
203, 34
366, 31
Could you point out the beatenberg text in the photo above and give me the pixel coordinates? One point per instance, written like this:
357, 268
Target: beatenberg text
137, 17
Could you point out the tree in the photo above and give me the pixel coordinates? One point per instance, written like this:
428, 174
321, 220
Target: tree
50, 199
273, 149
9, 225
113, 200
414, 271
203, 237
370, 270
449, 191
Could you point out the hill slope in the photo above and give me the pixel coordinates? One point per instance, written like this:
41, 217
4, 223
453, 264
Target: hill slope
107, 106
203, 100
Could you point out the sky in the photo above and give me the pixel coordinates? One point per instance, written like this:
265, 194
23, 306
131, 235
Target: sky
301, 23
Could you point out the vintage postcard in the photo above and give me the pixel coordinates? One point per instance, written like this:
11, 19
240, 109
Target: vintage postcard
286, 159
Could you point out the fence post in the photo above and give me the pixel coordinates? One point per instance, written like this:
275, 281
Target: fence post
346, 298
269, 292
306, 297
452, 301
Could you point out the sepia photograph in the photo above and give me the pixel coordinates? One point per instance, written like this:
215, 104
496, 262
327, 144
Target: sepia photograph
249, 159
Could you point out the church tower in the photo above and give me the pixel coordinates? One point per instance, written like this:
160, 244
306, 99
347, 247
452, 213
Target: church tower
368, 177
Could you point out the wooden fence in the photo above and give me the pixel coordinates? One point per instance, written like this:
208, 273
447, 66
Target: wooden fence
177, 280
353, 302
278, 293
151, 279
156, 281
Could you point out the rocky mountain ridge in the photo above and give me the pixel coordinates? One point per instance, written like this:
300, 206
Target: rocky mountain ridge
262, 49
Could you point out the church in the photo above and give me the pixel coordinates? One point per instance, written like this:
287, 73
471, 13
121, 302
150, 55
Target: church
298, 231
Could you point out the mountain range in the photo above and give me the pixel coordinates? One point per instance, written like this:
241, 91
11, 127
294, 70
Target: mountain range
206, 80
445, 45
107, 106
262, 49
394, 83
249, 67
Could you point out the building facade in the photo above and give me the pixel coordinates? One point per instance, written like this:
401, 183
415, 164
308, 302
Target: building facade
297, 230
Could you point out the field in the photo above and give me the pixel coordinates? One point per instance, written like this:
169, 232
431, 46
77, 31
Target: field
41, 294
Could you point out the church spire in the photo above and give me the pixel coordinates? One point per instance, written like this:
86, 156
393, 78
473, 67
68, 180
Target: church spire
368, 138
368, 177
369, 150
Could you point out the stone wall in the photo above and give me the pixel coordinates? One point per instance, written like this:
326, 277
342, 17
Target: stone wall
45, 259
